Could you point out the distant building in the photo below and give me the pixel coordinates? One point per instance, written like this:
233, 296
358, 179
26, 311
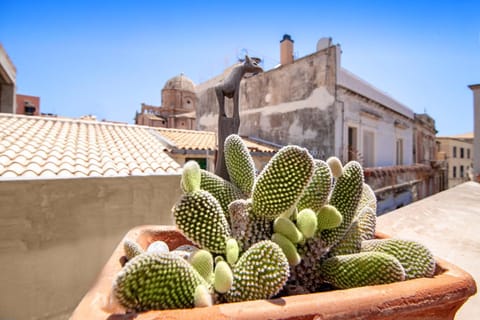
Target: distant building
178, 109
458, 151
424, 133
28, 105
8, 76
314, 102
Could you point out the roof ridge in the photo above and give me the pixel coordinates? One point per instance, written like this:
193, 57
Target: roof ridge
182, 130
71, 120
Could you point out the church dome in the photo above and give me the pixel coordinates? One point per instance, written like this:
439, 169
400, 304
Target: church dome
180, 82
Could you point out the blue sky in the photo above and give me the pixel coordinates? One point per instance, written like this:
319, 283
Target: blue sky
107, 57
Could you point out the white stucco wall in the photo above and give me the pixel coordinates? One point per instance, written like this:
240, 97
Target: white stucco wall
386, 125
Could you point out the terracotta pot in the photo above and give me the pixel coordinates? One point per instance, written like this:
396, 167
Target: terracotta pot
434, 298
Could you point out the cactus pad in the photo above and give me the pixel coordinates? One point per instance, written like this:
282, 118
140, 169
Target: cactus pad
260, 273
316, 193
282, 182
415, 258
239, 162
362, 269
345, 197
155, 282
224, 191
200, 217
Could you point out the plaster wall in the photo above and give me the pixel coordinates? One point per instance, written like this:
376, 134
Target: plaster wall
8, 75
292, 104
56, 235
368, 116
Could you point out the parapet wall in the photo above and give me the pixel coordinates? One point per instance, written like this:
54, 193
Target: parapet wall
397, 186
56, 235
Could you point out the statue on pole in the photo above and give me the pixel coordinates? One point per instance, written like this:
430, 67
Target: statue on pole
230, 88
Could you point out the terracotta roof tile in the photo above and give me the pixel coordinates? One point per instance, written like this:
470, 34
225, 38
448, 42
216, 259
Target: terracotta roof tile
189, 139
50, 147
205, 140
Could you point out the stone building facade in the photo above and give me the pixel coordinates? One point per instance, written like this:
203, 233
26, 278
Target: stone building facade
179, 102
314, 102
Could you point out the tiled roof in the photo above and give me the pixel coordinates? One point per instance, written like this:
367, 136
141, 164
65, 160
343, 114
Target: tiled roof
189, 139
468, 135
32, 147
205, 140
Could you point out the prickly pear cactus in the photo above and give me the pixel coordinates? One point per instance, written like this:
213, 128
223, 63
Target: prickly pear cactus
301, 223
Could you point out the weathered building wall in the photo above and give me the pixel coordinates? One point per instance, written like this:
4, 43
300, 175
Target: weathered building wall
292, 104
57, 234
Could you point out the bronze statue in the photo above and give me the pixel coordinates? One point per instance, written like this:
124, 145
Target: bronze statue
230, 88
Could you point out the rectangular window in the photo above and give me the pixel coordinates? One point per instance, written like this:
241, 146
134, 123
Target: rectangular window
454, 172
461, 172
454, 152
468, 153
399, 152
352, 144
368, 149
461, 153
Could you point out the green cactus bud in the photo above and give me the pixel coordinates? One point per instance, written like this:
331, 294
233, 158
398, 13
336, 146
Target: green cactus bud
328, 217
239, 163
232, 251
316, 194
201, 219
132, 249
191, 177
223, 277
202, 297
307, 222
362, 269
224, 191
202, 261
288, 229
335, 166
154, 281
260, 273
345, 198
416, 259
288, 248
282, 182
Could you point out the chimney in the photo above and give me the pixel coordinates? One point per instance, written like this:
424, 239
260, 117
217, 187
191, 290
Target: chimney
286, 50
476, 130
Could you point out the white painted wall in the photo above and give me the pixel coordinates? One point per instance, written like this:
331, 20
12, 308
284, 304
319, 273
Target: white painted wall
368, 116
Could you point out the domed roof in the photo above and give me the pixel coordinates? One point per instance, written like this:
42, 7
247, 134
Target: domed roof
180, 82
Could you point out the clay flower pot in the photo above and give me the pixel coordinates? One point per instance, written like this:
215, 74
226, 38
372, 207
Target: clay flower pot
428, 298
